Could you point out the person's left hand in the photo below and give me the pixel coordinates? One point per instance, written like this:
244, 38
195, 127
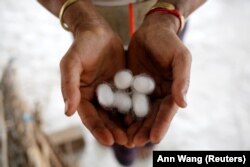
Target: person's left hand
155, 49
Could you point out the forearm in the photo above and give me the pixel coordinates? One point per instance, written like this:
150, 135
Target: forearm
53, 6
186, 7
81, 13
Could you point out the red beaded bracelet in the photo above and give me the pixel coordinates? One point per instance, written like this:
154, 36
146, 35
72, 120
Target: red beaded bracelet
174, 12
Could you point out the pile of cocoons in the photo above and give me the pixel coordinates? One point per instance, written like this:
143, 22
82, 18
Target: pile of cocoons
127, 94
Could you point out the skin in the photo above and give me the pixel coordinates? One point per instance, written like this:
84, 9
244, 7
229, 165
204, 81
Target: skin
169, 63
80, 77
97, 53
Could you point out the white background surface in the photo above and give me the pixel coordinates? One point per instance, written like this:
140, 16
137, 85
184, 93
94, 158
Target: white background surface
218, 115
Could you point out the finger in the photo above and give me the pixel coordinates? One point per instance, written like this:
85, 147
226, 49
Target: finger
70, 82
162, 121
119, 135
181, 77
142, 137
131, 133
92, 121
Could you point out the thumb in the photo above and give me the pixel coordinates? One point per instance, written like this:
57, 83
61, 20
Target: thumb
181, 77
70, 83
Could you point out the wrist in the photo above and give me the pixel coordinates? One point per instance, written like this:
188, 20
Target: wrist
186, 7
167, 9
167, 21
82, 15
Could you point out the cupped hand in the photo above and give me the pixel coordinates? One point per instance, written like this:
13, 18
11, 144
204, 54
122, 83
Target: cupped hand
95, 56
155, 49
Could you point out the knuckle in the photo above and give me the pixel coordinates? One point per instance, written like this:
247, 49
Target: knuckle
62, 62
183, 55
186, 54
139, 36
69, 60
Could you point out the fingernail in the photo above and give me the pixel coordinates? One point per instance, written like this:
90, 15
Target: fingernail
130, 145
66, 107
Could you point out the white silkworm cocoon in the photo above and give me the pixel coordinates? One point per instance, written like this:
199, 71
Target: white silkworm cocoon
140, 105
105, 95
122, 102
143, 84
123, 79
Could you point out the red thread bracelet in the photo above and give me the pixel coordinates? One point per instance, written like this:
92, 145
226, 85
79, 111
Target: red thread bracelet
174, 12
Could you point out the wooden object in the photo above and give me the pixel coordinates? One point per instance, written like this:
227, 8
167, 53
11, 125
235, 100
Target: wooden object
3, 134
68, 140
27, 145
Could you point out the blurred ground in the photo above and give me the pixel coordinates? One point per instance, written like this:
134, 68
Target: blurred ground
218, 114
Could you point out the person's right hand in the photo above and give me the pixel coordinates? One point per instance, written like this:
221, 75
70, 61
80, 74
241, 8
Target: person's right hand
95, 56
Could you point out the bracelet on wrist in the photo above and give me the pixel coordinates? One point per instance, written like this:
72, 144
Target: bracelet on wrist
168, 8
65, 6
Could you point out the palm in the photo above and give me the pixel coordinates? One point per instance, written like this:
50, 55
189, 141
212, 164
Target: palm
100, 66
144, 63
